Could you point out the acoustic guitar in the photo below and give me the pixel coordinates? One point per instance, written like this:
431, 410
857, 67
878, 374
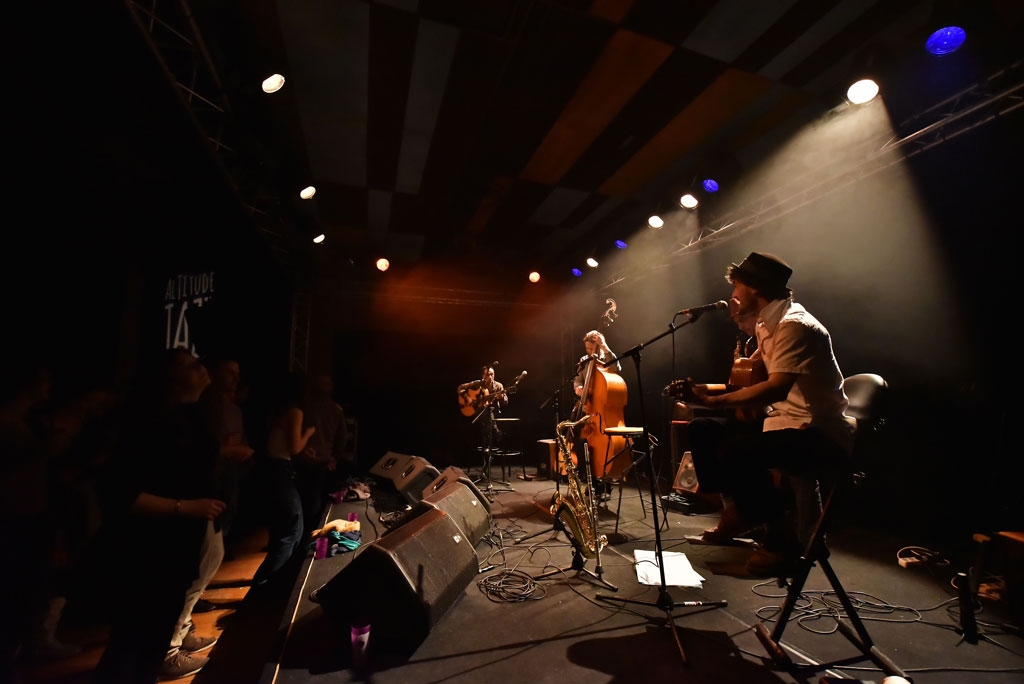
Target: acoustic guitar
473, 398
745, 372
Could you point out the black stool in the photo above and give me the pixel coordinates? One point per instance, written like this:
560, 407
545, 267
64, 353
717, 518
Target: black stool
866, 392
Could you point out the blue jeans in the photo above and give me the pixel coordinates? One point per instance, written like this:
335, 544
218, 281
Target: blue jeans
286, 522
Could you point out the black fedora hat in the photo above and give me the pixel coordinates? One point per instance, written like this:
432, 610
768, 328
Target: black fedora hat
766, 271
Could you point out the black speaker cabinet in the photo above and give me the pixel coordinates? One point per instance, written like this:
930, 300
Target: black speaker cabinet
403, 583
455, 494
408, 474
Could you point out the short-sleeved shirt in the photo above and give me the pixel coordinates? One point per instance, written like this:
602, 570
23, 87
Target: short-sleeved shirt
791, 340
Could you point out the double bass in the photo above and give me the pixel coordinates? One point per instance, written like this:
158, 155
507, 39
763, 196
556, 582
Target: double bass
603, 399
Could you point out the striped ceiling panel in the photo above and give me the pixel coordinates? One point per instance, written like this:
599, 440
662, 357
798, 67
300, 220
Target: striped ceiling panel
470, 128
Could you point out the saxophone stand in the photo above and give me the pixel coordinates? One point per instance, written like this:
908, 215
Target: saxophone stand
485, 472
665, 601
579, 560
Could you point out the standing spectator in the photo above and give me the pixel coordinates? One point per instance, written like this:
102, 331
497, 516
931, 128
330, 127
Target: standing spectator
286, 437
223, 410
27, 444
160, 503
318, 465
224, 420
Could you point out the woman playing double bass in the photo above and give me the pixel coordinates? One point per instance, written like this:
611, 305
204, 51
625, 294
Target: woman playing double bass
597, 347
602, 394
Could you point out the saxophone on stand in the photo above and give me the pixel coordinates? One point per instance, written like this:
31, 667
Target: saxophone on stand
576, 510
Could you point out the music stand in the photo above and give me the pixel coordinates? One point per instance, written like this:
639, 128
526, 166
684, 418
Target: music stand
665, 601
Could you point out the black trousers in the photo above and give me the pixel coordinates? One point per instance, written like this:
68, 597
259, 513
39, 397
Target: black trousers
736, 460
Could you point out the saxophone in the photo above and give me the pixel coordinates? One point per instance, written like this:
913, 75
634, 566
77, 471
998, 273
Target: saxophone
575, 512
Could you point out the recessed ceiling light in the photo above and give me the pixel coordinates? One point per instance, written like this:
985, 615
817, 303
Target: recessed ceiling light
271, 84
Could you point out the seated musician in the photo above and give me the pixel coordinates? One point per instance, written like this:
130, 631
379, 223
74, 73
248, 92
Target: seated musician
805, 429
483, 395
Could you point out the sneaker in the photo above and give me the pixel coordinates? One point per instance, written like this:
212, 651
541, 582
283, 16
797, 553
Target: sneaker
193, 643
181, 664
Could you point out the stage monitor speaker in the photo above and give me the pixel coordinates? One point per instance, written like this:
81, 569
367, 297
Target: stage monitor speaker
408, 474
455, 494
403, 583
686, 476
452, 474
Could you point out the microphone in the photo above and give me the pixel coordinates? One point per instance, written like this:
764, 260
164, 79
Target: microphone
519, 377
698, 310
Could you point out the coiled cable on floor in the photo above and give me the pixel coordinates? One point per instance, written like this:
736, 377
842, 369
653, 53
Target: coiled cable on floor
511, 586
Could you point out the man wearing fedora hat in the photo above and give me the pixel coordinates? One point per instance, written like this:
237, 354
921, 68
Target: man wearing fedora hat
805, 429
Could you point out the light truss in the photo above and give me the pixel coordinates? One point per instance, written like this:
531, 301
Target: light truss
992, 99
174, 38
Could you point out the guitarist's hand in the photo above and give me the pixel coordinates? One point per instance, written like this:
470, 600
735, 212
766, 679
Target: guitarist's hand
688, 391
698, 392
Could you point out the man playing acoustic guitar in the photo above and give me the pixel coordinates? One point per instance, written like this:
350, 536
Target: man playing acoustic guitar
482, 395
805, 429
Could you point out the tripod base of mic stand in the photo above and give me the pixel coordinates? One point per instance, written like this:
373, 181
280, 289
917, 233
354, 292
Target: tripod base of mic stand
666, 603
578, 564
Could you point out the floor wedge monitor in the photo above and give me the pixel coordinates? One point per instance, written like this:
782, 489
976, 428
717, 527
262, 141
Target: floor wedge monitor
403, 583
408, 475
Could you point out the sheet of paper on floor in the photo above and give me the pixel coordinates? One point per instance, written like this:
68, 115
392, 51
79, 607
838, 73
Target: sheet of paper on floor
678, 571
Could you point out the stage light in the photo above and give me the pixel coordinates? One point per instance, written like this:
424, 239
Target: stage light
710, 185
591, 262
655, 222
307, 192
620, 244
576, 272
319, 238
862, 92
273, 83
534, 277
688, 201
383, 264
945, 40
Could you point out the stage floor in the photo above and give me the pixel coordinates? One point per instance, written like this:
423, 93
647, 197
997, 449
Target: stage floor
507, 623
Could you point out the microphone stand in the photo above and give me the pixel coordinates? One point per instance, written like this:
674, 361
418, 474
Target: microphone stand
665, 601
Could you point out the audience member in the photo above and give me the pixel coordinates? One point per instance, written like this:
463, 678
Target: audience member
221, 402
322, 462
28, 442
160, 502
286, 437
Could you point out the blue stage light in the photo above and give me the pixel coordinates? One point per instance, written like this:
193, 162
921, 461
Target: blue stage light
577, 272
621, 244
945, 40
710, 185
